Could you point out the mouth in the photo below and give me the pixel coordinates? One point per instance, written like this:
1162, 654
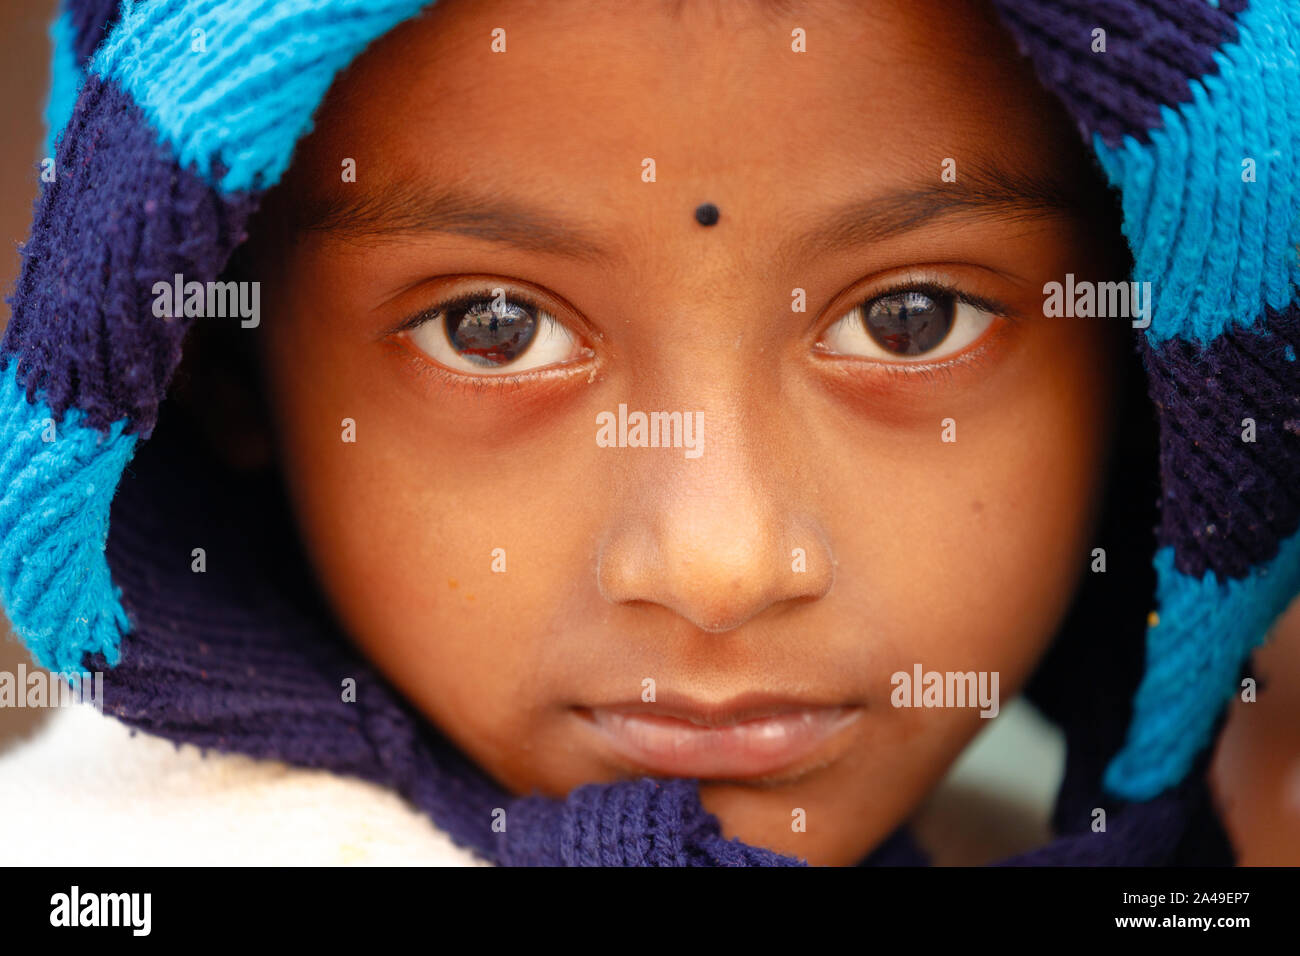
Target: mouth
743, 738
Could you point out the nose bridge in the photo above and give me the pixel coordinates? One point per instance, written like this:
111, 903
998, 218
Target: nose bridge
713, 538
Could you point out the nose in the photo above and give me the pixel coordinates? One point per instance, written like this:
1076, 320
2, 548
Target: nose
718, 540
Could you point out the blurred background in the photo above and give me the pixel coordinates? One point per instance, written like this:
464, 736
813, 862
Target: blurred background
24, 67
1256, 772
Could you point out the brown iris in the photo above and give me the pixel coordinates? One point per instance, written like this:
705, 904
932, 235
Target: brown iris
909, 323
491, 337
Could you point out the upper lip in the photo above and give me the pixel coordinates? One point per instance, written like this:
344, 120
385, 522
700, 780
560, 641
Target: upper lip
719, 713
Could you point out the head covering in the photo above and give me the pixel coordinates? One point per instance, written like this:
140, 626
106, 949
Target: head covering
162, 151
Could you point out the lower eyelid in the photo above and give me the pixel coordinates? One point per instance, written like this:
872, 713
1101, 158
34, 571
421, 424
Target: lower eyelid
979, 354
426, 366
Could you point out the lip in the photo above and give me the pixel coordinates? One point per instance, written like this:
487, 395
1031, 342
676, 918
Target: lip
745, 737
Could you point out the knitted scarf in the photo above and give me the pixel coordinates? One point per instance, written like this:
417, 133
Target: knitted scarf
1193, 112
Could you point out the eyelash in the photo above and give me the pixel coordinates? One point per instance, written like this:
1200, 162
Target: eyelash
460, 302
973, 357
933, 288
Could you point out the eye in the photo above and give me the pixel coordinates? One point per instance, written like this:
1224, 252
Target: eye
917, 324
490, 333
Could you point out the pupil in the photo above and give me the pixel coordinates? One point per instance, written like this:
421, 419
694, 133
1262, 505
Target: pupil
910, 323
490, 337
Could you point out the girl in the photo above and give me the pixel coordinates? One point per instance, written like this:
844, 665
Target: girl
378, 533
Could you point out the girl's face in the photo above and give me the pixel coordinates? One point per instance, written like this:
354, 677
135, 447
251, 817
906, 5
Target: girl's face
569, 608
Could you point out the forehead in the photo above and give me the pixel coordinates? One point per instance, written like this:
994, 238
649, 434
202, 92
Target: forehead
584, 92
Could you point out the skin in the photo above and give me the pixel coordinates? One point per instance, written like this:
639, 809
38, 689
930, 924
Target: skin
628, 563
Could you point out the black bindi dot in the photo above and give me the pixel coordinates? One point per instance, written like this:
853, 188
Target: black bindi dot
706, 214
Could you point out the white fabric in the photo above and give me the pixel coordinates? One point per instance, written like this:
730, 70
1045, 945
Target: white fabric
84, 791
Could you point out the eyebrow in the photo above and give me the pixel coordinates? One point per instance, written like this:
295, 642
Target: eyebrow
405, 209
982, 193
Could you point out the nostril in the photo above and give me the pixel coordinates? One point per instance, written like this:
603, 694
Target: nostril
721, 627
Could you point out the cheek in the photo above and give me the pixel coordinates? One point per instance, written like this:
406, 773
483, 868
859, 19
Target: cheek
445, 559
959, 556
965, 554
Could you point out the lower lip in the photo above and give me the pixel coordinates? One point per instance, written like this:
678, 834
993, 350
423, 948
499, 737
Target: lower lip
751, 748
